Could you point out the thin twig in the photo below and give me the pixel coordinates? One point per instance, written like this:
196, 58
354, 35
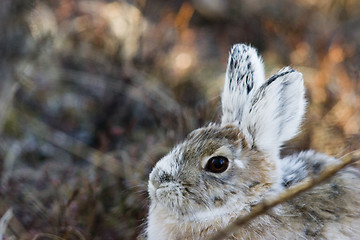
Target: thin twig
288, 194
14, 225
7, 94
48, 236
4, 221
76, 232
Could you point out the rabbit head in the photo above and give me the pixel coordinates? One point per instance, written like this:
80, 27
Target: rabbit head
227, 167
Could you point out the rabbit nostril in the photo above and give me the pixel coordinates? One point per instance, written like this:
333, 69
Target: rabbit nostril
165, 177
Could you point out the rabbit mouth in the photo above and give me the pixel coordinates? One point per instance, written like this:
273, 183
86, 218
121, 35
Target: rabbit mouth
177, 202
172, 198
168, 193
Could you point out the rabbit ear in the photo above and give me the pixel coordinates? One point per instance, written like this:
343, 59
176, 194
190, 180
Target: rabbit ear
275, 111
244, 75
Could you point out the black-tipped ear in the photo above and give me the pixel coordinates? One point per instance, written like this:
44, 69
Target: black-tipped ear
244, 75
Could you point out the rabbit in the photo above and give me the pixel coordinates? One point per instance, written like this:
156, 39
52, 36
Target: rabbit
220, 171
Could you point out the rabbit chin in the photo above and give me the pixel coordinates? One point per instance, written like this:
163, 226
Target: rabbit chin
168, 221
226, 210
171, 198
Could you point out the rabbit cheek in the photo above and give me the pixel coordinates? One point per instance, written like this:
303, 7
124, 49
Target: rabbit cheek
168, 193
265, 170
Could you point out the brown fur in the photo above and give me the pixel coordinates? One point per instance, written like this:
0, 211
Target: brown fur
191, 201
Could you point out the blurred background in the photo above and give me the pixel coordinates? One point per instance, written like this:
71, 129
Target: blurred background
93, 93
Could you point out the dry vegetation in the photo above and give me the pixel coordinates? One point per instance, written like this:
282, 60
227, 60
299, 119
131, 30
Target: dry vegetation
93, 93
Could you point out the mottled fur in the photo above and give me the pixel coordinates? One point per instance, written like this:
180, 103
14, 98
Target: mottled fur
189, 202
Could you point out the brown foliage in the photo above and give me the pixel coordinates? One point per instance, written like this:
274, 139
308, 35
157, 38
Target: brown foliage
93, 93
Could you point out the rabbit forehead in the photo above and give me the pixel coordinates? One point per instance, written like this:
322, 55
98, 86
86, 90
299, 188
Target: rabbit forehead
210, 140
212, 132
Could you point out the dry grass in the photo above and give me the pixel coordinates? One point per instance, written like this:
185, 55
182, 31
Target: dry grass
93, 93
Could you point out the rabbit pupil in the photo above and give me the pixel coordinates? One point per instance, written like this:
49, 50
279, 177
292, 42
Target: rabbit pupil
217, 164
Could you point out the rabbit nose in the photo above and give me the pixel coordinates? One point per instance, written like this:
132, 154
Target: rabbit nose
159, 177
165, 177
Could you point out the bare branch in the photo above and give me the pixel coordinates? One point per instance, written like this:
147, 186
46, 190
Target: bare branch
288, 194
4, 221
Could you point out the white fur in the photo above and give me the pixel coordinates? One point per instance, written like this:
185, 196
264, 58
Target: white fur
275, 112
239, 163
268, 113
168, 163
245, 68
271, 112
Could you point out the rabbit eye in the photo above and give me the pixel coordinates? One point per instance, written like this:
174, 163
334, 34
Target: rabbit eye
217, 164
